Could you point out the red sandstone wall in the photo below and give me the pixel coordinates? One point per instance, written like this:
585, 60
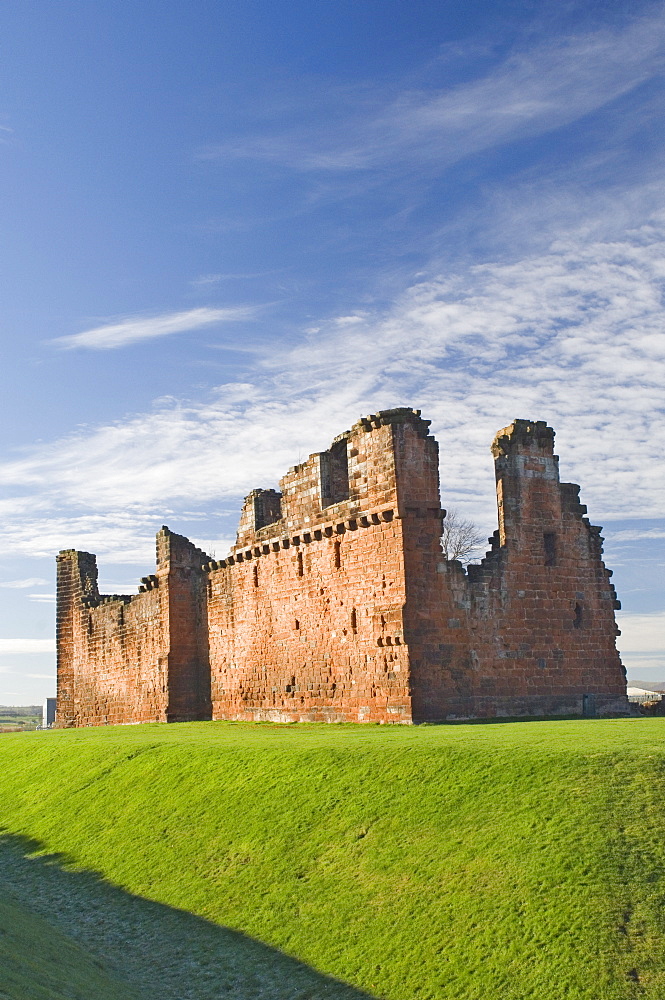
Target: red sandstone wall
306, 618
126, 643
336, 603
544, 602
184, 614
306, 633
112, 653
531, 630
76, 579
133, 659
438, 647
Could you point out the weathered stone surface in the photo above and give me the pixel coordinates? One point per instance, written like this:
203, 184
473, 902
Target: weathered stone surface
336, 603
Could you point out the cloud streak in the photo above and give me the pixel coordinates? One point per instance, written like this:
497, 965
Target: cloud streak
17, 647
137, 328
530, 93
573, 335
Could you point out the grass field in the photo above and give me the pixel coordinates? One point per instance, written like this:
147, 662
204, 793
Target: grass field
39, 963
19, 720
511, 860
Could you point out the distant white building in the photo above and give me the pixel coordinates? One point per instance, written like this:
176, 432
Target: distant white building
48, 713
639, 696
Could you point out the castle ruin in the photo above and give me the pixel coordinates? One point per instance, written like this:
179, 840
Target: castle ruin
336, 603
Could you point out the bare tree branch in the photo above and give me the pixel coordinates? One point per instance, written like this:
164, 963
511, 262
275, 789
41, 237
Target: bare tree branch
460, 538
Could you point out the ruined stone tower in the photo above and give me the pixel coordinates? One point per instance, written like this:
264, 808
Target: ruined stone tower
336, 604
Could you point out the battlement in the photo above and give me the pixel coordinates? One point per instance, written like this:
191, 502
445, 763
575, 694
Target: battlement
366, 470
532, 436
336, 604
398, 415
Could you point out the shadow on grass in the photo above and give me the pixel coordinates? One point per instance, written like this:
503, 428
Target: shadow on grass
499, 720
159, 951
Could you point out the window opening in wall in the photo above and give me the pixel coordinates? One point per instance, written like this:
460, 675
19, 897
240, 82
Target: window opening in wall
549, 543
121, 615
296, 625
209, 589
579, 614
300, 567
354, 621
334, 468
256, 576
338, 555
90, 626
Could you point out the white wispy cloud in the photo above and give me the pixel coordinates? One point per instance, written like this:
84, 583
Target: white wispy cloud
30, 581
16, 647
122, 536
136, 328
637, 534
533, 91
572, 333
208, 279
214, 279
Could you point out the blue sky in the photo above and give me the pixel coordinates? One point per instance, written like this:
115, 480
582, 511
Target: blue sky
231, 228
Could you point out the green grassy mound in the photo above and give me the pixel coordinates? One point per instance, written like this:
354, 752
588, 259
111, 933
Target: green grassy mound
517, 860
38, 963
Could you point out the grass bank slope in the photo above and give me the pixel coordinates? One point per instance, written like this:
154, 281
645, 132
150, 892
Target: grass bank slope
39, 963
512, 860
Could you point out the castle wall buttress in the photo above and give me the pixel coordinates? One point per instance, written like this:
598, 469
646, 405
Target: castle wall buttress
76, 576
184, 617
436, 630
542, 604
